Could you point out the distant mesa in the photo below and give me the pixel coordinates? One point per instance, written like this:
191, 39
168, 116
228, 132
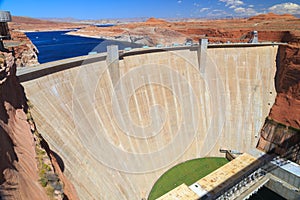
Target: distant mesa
32, 24
156, 21
272, 16
21, 19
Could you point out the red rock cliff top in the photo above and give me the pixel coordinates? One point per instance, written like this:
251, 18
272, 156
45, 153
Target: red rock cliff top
270, 27
31, 24
156, 21
272, 16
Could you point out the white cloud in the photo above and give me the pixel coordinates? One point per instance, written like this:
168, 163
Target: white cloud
232, 2
204, 9
240, 10
239, 7
179, 1
245, 11
283, 8
217, 10
217, 13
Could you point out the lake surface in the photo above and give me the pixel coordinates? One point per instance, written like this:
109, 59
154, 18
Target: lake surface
56, 45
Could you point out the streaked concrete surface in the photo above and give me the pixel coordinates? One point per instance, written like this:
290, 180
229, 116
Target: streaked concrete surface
117, 141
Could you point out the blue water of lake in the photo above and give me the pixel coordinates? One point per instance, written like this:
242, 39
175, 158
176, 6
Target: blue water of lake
56, 45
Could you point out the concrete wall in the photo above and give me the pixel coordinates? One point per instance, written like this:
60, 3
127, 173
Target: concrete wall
117, 141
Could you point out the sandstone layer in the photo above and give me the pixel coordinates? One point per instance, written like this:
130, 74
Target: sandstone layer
21, 166
270, 27
287, 81
25, 52
280, 139
30, 24
18, 168
281, 132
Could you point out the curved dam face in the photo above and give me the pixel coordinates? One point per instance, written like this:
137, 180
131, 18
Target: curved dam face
119, 126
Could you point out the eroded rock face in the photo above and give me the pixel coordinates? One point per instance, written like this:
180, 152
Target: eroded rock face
31, 24
286, 109
282, 134
18, 168
270, 27
280, 139
26, 53
19, 172
272, 16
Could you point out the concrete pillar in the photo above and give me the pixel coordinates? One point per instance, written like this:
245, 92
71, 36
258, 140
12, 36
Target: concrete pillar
202, 54
112, 61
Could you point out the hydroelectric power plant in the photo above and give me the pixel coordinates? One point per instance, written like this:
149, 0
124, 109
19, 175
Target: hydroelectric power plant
120, 120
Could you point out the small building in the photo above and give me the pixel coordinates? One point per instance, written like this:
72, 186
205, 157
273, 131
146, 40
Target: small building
4, 30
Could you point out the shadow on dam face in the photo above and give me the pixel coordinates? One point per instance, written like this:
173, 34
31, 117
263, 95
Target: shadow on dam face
117, 133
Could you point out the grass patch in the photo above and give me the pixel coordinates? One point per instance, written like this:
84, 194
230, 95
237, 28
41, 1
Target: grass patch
187, 172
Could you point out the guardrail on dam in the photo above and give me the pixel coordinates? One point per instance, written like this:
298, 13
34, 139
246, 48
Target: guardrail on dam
166, 106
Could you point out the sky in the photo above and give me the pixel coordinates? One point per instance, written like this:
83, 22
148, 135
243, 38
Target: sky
114, 9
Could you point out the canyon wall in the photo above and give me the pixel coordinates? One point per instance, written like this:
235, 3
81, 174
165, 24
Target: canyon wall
25, 52
287, 82
270, 27
28, 170
18, 167
281, 131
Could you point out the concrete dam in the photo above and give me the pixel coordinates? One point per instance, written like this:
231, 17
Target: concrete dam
119, 121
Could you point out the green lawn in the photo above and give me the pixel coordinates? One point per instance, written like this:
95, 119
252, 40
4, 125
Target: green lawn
187, 172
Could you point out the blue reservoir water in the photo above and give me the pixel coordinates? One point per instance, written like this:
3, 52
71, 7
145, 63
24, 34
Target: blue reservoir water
56, 45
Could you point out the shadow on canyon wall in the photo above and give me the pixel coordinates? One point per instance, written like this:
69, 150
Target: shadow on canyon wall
287, 76
15, 140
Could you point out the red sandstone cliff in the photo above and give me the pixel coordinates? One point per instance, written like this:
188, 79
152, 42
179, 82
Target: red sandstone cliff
281, 131
28, 168
18, 168
26, 53
270, 27
272, 16
31, 24
287, 81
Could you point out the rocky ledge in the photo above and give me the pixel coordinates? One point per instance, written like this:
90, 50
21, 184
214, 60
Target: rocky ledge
25, 52
28, 167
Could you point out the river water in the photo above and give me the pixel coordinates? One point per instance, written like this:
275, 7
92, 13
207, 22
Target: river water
56, 45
